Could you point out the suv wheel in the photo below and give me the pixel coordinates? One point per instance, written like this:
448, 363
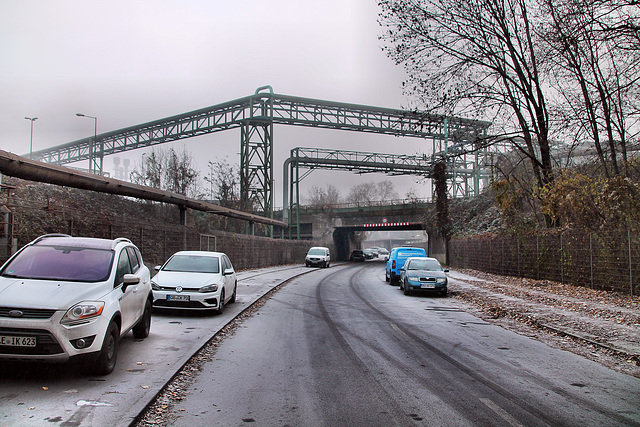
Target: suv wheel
108, 356
141, 330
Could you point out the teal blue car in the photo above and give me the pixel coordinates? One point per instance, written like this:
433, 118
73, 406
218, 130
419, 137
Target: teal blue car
397, 258
423, 275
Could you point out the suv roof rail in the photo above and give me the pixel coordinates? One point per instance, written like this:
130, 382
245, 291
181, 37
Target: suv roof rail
122, 239
50, 235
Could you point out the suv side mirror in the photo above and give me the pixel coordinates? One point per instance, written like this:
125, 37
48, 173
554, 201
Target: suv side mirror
129, 279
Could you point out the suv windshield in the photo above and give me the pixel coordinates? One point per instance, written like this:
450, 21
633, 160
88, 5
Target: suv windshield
192, 264
61, 263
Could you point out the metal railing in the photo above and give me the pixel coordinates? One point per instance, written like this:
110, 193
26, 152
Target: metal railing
605, 260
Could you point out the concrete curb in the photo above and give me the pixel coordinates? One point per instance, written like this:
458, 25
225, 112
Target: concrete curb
137, 410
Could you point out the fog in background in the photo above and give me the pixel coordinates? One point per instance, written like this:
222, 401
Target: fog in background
130, 62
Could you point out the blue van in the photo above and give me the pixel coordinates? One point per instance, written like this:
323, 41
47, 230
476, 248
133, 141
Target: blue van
396, 260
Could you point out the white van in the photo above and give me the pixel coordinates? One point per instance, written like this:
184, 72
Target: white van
318, 256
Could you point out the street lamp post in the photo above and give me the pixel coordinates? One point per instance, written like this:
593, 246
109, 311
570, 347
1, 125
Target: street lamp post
92, 168
31, 119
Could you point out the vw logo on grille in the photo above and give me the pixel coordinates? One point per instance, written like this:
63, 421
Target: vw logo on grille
16, 313
179, 289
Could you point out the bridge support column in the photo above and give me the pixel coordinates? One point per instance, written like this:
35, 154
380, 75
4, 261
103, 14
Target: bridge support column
256, 157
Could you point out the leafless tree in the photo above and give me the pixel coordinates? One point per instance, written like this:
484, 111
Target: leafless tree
150, 170
386, 191
367, 192
180, 174
594, 57
169, 171
323, 196
362, 193
224, 181
475, 58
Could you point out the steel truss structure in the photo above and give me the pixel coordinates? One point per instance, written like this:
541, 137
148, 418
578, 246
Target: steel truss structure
359, 162
256, 115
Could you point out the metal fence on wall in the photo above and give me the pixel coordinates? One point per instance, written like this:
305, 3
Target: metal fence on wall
157, 241
607, 261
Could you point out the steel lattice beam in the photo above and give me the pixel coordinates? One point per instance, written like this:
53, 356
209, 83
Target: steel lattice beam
288, 110
361, 162
256, 115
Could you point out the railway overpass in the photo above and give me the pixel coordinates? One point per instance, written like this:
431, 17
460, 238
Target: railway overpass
341, 225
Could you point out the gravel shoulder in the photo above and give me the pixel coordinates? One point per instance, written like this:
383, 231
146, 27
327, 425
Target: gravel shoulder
599, 325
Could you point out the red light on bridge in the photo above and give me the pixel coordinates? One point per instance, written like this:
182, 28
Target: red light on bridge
387, 224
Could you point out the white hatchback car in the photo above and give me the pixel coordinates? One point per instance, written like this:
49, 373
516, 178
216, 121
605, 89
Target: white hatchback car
197, 280
64, 297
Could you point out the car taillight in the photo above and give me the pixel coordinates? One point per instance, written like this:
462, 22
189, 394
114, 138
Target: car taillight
393, 264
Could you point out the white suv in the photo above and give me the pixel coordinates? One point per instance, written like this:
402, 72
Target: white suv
64, 297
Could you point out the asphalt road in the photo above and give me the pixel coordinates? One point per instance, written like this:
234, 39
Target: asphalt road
342, 347
62, 395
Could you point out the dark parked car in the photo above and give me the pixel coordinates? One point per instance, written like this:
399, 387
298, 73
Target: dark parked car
357, 255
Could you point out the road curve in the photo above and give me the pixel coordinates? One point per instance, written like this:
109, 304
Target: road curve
34, 394
342, 347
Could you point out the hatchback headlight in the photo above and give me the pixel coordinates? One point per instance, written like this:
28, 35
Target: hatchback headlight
155, 286
441, 280
208, 288
82, 312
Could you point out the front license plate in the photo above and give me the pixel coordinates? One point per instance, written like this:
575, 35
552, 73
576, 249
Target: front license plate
177, 297
17, 341
427, 285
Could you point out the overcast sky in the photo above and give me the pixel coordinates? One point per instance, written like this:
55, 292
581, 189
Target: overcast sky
129, 62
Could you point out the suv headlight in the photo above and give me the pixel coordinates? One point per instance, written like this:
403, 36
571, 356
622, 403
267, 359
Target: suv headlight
208, 288
441, 280
82, 312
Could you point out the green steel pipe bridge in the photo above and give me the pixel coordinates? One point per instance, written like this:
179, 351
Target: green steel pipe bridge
255, 116
356, 161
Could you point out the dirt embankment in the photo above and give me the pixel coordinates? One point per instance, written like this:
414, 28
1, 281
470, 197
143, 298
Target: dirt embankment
602, 326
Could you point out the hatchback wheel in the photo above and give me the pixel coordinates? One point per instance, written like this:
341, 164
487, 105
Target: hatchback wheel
109, 353
220, 308
235, 292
